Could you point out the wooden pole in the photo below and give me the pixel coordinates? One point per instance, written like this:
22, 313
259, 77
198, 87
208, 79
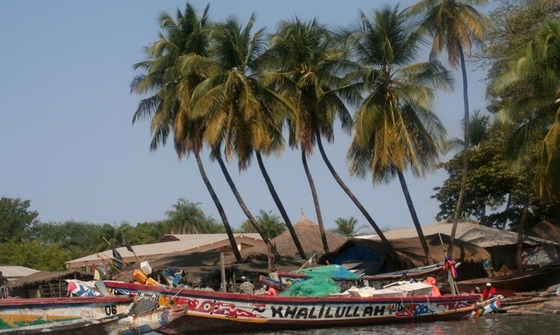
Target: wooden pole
114, 267
111, 246
223, 271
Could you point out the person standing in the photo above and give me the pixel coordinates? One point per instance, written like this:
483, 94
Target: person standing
488, 292
3, 286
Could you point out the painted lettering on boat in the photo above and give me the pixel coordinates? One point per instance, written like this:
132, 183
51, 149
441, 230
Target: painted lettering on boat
321, 312
329, 312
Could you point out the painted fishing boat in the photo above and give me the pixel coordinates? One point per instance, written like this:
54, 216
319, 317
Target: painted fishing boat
68, 316
211, 312
507, 285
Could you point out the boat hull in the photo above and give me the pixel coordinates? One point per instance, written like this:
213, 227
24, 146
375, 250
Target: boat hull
522, 282
209, 312
65, 316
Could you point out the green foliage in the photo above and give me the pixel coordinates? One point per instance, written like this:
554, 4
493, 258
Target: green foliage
187, 218
34, 254
15, 217
347, 227
77, 238
270, 224
497, 190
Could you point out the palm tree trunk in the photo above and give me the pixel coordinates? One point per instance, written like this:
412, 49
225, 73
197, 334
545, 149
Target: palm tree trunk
219, 207
415, 220
315, 201
237, 195
508, 206
280, 206
353, 197
521, 235
459, 206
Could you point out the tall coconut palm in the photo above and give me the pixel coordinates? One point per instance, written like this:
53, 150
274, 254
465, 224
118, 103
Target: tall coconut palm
313, 75
186, 34
300, 48
395, 128
230, 100
456, 27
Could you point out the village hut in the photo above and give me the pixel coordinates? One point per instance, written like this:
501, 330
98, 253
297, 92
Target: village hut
371, 257
500, 244
309, 236
47, 284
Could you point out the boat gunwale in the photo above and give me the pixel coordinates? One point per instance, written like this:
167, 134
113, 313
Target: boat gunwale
201, 294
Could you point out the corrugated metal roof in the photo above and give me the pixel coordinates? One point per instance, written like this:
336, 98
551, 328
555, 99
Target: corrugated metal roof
476, 234
189, 242
14, 272
190, 237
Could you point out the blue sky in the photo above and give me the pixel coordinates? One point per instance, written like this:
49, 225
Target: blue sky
67, 142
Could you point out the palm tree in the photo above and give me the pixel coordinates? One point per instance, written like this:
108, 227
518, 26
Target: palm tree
479, 132
347, 227
270, 223
535, 110
230, 102
186, 218
395, 128
168, 107
457, 27
312, 74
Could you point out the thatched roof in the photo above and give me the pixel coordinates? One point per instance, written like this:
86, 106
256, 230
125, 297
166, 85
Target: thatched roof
48, 276
309, 236
410, 252
546, 230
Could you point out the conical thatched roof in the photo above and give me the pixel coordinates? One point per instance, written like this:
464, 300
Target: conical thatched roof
309, 236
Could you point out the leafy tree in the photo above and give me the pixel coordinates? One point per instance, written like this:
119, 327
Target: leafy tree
77, 238
516, 22
270, 223
15, 218
457, 27
534, 109
34, 254
395, 127
146, 233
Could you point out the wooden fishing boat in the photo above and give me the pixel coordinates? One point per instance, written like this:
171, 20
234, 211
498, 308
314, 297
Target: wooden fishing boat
533, 280
210, 312
69, 315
